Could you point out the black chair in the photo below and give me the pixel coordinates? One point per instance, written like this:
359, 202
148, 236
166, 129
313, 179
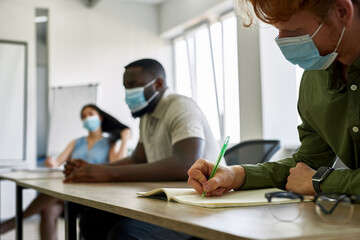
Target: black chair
251, 152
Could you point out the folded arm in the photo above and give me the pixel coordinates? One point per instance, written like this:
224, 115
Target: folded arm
136, 168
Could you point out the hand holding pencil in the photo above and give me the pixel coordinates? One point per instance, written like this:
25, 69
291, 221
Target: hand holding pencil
225, 179
221, 155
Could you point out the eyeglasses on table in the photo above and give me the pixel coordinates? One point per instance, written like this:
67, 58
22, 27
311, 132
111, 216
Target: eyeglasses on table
330, 207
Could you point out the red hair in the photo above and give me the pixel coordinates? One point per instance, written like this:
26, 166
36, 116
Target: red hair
274, 11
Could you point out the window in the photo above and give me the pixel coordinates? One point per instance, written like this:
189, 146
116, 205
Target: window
278, 91
299, 72
206, 66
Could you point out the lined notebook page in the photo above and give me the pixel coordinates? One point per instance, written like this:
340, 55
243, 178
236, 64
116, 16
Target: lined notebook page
168, 193
229, 199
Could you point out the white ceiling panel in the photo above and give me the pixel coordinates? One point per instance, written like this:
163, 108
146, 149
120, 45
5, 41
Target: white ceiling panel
146, 1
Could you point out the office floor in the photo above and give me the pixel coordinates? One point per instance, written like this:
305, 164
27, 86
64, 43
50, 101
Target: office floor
31, 230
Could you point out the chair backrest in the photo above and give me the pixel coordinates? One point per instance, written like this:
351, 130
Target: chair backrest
252, 152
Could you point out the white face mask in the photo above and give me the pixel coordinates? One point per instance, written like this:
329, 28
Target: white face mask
303, 52
135, 97
92, 123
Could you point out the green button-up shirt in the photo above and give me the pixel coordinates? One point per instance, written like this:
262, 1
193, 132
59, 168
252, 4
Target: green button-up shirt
330, 111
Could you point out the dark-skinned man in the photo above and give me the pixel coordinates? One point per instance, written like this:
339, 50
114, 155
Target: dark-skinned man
173, 134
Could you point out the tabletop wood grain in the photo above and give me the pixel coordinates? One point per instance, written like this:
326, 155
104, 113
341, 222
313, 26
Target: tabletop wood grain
224, 223
24, 175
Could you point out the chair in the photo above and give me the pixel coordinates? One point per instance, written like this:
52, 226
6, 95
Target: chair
252, 152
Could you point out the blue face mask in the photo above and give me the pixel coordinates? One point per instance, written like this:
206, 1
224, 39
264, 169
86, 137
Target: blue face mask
135, 97
303, 52
92, 123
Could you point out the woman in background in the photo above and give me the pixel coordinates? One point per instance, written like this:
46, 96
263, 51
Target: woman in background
95, 148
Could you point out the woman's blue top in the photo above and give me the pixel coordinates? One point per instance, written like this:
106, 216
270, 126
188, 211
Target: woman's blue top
98, 154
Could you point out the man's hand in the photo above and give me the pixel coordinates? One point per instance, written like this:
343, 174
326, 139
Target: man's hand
225, 179
72, 164
300, 179
88, 173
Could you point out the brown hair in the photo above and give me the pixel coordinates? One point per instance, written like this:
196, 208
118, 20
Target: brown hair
273, 11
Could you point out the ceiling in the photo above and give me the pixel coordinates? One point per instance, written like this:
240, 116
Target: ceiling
92, 3
146, 1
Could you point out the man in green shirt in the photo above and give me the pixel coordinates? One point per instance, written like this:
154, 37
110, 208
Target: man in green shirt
321, 36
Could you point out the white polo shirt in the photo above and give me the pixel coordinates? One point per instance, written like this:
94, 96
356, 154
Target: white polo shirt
175, 118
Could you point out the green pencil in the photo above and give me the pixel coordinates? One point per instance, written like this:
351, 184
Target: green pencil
222, 152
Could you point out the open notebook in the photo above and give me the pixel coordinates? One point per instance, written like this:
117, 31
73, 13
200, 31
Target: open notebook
229, 199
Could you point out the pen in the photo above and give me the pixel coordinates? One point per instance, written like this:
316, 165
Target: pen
221, 154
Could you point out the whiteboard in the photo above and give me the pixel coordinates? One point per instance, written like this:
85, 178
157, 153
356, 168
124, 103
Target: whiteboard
65, 122
13, 82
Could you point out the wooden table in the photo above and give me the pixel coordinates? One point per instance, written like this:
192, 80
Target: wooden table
26, 175
226, 223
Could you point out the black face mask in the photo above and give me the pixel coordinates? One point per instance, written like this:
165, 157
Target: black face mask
141, 112
149, 108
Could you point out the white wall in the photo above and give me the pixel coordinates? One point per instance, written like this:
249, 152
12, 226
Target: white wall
94, 45
251, 119
13, 27
279, 91
86, 45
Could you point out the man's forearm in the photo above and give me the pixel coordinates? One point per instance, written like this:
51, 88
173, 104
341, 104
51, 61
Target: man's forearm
269, 174
342, 180
124, 161
163, 170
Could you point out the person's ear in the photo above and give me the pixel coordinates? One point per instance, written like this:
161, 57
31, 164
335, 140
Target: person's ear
344, 11
159, 84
